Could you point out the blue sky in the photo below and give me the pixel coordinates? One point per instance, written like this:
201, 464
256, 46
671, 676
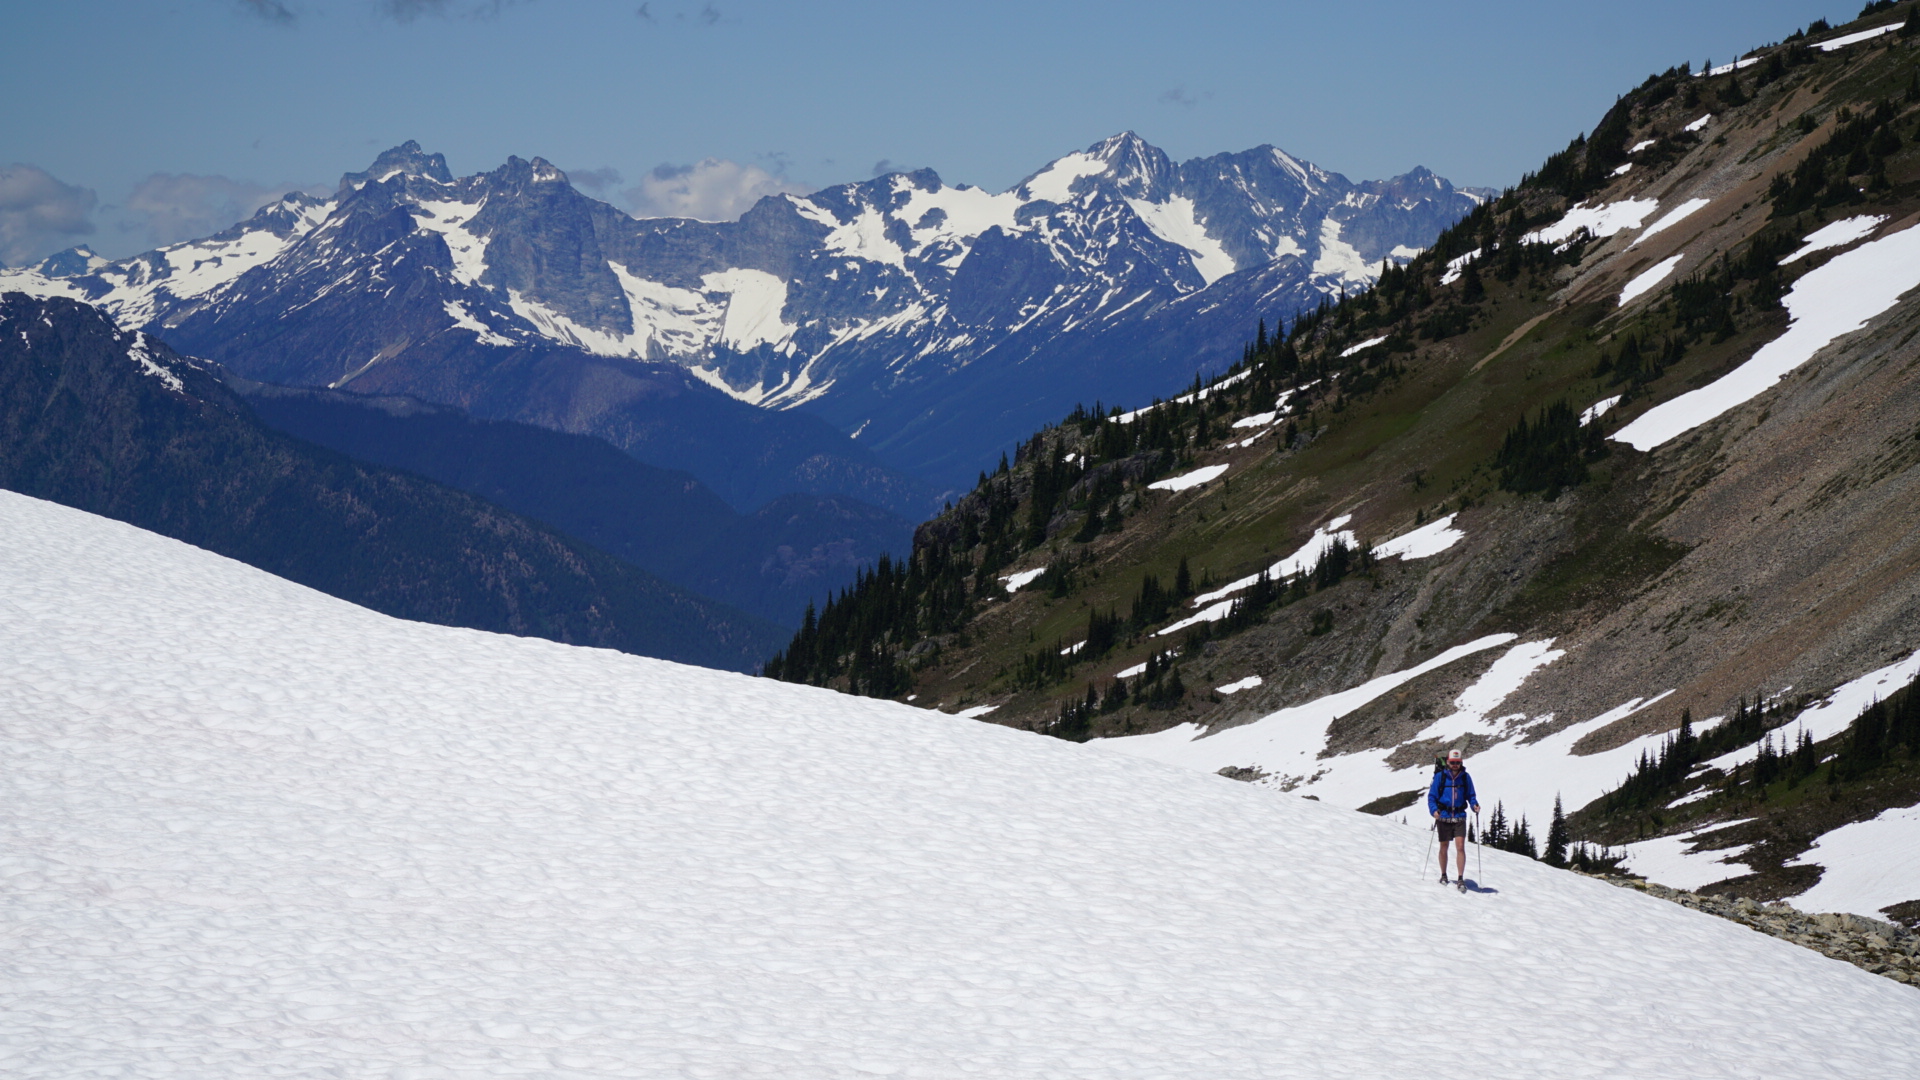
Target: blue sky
131, 123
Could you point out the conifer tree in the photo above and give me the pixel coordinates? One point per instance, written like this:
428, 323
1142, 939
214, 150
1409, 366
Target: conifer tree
1557, 838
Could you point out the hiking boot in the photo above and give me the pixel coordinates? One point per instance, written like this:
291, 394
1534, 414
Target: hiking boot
1443, 879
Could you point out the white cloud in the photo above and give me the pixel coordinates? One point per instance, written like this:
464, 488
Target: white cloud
40, 214
713, 190
169, 207
594, 180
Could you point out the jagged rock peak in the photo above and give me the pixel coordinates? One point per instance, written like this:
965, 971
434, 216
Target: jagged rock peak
72, 262
408, 159
537, 171
1135, 166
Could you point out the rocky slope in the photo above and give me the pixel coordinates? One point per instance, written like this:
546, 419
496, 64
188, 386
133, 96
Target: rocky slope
1634, 441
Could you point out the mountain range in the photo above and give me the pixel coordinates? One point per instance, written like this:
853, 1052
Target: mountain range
933, 323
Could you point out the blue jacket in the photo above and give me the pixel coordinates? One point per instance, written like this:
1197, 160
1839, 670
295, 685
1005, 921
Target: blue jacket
1450, 795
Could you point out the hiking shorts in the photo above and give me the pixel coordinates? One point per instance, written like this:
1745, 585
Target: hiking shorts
1452, 828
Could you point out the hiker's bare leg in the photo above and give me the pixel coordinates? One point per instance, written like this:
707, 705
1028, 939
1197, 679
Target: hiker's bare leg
1459, 845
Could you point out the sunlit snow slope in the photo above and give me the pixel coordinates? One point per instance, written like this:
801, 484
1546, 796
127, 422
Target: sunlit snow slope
250, 830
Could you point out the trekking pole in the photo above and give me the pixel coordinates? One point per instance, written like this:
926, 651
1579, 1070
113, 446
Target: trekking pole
1479, 852
1433, 827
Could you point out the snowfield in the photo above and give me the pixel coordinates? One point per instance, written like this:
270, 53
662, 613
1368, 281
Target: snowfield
253, 831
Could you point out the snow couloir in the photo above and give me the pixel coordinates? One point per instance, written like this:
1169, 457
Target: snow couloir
251, 830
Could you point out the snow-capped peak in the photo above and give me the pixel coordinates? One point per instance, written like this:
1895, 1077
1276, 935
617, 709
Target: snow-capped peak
407, 159
846, 290
1135, 168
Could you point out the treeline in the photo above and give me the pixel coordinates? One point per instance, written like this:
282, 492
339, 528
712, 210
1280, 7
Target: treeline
1052, 664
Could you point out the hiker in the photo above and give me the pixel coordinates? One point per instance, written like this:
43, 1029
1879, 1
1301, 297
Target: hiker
1448, 800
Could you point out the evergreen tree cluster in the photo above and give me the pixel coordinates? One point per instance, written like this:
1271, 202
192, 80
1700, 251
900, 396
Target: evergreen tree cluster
1158, 686
1793, 53
1503, 835
1155, 602
1885, 732
1792, 765
1842, 171
1548, 454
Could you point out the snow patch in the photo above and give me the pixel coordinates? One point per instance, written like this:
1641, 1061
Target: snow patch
1833, 715
1193, 479
1669, 219
1869, 865
1289, 738
142, 356
1599, 409
1836, 234
1424, 542
1177, 222
1339, 259
1299, 562
1649, 279
1601, 221
1238, 685
751, 315
1363, 346
1054, 182
1212, 614
1474, 707
865, 237
1857, 38
1829, 302
469, 252
1676, 862
1016, 582
464, 320
1458, 265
